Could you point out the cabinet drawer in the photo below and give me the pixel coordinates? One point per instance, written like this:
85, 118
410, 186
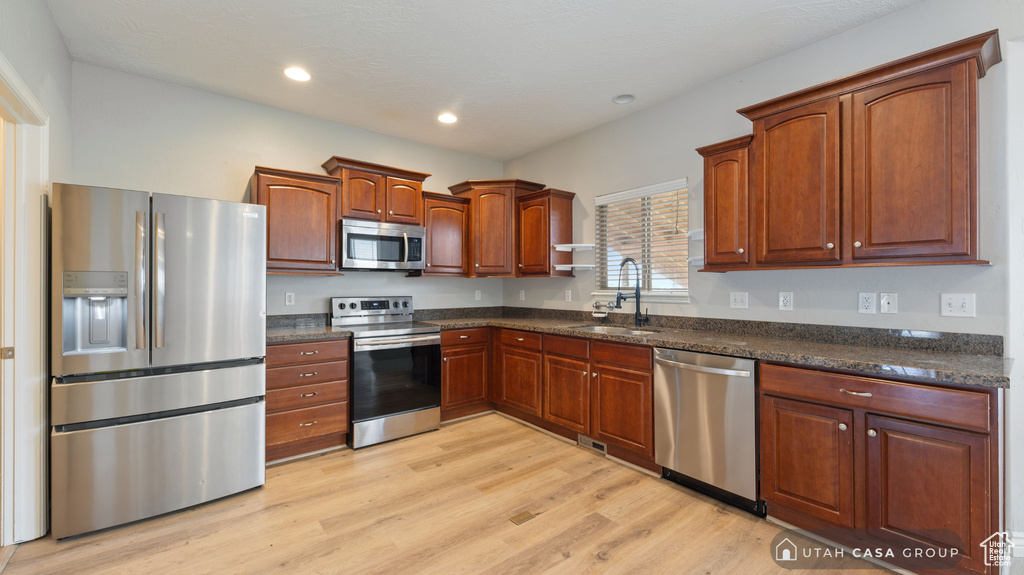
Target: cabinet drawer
524, 339
291, 353
464, 336
278, 377
635, 356
570, 346
966, 409
298, 424
306, 395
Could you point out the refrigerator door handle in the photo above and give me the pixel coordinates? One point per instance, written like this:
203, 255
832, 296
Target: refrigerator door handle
159, 257
140, 280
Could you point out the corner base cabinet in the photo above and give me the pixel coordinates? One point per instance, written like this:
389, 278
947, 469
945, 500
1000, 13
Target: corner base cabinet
307, 397
907, 465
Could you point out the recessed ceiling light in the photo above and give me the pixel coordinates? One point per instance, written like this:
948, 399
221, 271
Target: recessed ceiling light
447, 118
623, 98
297, 74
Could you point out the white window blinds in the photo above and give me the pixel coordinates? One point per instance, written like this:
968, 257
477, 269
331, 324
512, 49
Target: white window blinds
647, 224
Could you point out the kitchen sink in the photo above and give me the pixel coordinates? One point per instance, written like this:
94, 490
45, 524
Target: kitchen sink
610, 329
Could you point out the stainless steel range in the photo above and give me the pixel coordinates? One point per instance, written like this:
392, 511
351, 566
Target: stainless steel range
396, 368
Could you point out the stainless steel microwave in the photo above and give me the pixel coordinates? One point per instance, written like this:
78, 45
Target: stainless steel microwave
376, 246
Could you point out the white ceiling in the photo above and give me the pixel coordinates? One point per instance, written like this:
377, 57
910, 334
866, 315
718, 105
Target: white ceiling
520, 74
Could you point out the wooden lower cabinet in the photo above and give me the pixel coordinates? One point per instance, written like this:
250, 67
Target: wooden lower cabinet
465, 365
908, 465
307, 397
622, 404
521, 375
567, 392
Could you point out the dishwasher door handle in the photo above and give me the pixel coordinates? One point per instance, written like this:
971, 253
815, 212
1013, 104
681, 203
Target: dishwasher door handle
701, 368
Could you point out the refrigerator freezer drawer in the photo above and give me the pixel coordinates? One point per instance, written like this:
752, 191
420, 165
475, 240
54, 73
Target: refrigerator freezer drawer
113, 475
108, 399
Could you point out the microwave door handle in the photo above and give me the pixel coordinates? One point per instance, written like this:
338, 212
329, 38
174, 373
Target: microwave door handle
405, 236
140, 280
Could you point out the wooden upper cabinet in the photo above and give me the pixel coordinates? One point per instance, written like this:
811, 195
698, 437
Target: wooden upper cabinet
796, 184
493, 247
376, 192
301, 224
447, 221
876, 168
544, 219
914, 183
726, 201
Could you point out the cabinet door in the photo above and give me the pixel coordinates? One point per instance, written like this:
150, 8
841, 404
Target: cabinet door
521, 379
463, 376
492, 233
567, 392
404, 201
807, 458
726, 208
928, 486
913, 166
301, 225
447, 223
362, 195
621, 412
534, 237
797, 184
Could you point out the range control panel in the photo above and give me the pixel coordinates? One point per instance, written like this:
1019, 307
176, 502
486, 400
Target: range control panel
357, 310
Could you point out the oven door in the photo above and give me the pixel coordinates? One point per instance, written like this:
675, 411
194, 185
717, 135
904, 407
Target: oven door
395, 375
377, 246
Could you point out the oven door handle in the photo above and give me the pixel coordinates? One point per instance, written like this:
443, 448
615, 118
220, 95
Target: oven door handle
405, 340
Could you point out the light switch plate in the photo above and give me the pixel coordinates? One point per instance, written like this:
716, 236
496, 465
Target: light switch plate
478, 295
738, 300
568, 295
957, 305
522, 295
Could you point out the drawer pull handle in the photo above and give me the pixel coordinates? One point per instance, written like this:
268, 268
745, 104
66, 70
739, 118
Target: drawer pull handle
307, 374
314, 352
311, 423
463, 337
857, 393
309, 394
842, 427
520, 339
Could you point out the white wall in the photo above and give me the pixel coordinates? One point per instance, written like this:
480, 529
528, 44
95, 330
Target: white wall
657, 144
31, 44
137, 133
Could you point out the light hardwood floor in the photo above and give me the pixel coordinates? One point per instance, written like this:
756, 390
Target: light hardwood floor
435, 503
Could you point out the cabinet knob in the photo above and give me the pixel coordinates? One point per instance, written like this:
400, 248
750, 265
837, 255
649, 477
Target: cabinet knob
593, 374
856, 244
378, 211
391, 212
332, 261
842, 427
520, 265
872, 433
428, 265
477, 265
740, 250
830, 245
445, 360
585, 373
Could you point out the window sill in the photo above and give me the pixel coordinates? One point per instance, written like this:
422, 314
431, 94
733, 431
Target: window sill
652, 297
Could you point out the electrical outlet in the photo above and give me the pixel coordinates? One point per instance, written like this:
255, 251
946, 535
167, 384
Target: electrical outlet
888, 303
738, 299
866, 302
478, 295
522, 295
568, 295
786, 300
289, 298
957, 305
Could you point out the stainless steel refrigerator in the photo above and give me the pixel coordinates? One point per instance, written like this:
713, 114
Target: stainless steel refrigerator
158, 340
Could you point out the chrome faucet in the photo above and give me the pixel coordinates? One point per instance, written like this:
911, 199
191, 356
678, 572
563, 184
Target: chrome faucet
619, 296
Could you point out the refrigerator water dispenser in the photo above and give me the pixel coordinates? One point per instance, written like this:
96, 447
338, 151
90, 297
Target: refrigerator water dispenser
95, 312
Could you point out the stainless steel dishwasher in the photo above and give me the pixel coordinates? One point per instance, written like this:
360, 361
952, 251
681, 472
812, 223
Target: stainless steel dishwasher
705, 425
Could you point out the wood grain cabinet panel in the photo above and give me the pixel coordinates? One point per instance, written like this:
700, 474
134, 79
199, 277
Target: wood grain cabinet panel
796, 186
567, 392
446, 219
726, 202
463, 376
914, 190
807, 459
307, 423
928, 487
376, 192
622, 402
301, 227
362, 195
493, 246
521, 376
404, 201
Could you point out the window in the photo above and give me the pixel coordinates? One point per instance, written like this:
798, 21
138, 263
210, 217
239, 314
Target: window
647, 224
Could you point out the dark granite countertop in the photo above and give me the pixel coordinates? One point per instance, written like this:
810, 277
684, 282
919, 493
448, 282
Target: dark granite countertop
986, 370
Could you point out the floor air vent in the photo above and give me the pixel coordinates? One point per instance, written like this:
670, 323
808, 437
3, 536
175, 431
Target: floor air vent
591, 444
521, 518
